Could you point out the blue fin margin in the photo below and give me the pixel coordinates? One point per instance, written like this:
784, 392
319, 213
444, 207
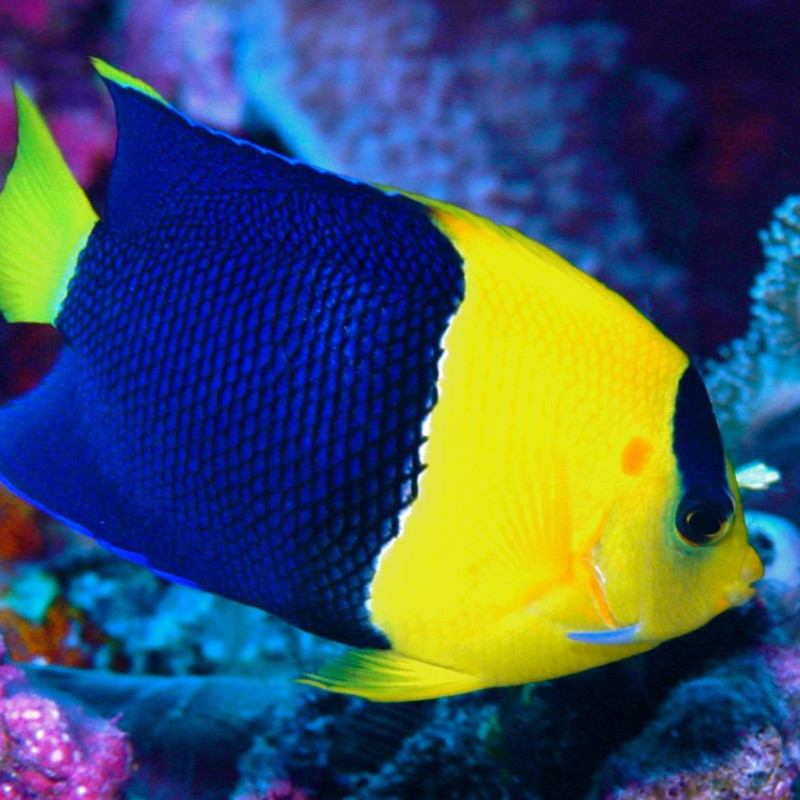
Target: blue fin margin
620, 636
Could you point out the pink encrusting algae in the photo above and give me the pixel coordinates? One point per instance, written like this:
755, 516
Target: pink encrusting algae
49, 751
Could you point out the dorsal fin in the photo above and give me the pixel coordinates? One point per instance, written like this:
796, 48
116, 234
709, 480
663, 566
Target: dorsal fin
153, 142
117, 76
162, 155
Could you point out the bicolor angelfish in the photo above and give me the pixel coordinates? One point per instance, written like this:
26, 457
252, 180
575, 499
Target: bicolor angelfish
383, 418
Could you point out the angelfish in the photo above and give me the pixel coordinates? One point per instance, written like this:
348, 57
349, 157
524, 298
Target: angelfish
381, 417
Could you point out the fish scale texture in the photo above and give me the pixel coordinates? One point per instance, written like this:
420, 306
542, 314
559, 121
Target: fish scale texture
257, 369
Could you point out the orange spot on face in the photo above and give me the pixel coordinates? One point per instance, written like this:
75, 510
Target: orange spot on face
635, 455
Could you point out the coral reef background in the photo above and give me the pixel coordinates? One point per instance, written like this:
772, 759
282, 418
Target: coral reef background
647, 143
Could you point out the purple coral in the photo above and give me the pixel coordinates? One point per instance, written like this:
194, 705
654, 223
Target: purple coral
189, 60
758, 770
51, 752
510, 117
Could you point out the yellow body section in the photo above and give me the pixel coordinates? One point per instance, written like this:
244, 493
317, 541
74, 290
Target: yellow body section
542, 404
546, 512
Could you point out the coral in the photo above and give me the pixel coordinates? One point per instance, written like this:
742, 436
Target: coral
49, 751
45, 46
279, 790
62, 636
170, 629
703, 720
189, 60
784, 662
778, 543
21, 536
757, 770
188, 732
339, 747
731, 731
510, 117
756, 384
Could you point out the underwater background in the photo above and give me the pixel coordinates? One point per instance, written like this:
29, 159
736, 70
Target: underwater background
655, 146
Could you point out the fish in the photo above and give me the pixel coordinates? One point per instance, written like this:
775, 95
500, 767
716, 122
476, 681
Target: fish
386, 419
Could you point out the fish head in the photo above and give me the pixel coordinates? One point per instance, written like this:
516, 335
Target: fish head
707, 564
678, 561
697, 561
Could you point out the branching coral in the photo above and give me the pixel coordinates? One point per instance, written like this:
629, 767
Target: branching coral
756, 386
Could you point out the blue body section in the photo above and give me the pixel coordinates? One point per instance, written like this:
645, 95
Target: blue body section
251, 350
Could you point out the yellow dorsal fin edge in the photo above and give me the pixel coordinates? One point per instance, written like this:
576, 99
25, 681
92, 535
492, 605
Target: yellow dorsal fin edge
45, 220
105, 70
387, 676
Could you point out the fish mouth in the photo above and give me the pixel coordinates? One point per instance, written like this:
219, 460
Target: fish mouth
751, 571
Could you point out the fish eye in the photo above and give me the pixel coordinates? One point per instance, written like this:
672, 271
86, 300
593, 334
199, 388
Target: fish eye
704, 514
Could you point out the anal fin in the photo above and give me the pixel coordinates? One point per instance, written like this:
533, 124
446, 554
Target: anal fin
388, 676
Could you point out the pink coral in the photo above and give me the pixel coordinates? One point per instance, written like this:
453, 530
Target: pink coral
51, 752
30, 15
280, 790
45, 46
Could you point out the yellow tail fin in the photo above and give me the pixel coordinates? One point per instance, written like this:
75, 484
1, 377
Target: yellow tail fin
45, 220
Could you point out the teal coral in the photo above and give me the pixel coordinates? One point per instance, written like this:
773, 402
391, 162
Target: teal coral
776, 289
757, 383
